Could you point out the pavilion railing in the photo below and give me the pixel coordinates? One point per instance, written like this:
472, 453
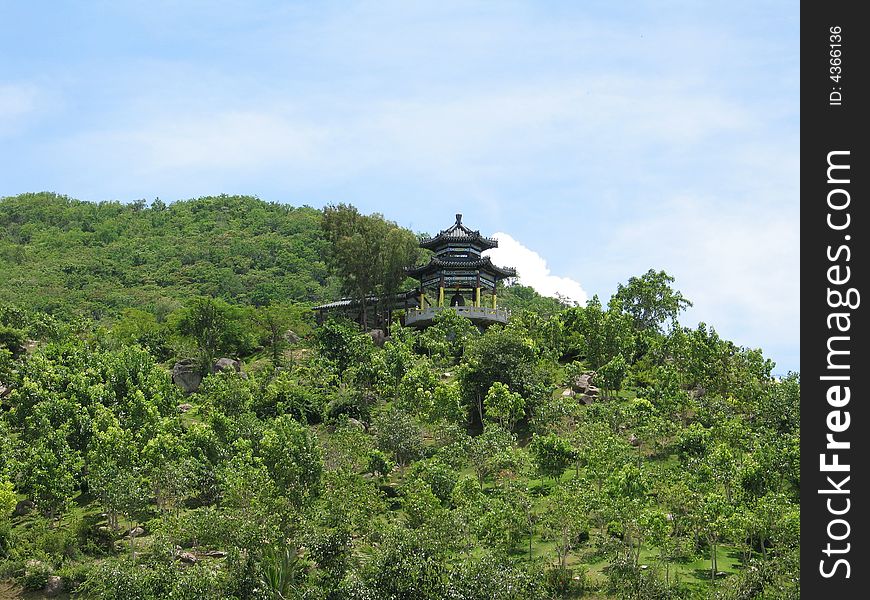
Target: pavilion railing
475, 313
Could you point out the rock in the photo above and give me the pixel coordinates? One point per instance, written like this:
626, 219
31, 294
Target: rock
633, 440
5, 390
183, 408
378, 336
582, 382
356, 423
186, 375
135, 532
53, 587
592, 390
23, 507
216, 554
586, 399
291, 337
188, 558
226, 365
568, 393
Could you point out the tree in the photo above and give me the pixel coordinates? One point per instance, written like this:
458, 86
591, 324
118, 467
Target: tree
504, 406
603, 334
552, 454
48, 471
215, 327
275, 322
398, 435
502, 355
612, 373
368, 253
650, 300
292, 456
566, 518
112, 465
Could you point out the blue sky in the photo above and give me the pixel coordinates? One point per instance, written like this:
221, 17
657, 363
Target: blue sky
604, 138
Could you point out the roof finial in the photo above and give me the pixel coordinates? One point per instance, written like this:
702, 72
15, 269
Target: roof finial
459, 218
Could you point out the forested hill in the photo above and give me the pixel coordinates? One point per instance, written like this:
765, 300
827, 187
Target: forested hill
61, 255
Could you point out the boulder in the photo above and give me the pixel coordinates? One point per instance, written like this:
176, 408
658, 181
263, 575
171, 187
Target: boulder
586, 399
568, 393
183, 408
355, 423
378, 336
135, 532
226, 365
188, 558
53, 586
186, 375
292, 337
582, 382
634, 441
5, 390
215, 554
24, 507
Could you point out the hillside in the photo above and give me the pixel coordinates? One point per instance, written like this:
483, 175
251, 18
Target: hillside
600, 452
59, 254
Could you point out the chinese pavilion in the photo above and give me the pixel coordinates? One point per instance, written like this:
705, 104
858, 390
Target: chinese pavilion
459, 276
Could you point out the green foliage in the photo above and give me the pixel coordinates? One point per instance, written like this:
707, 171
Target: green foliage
292, 456
96, 259
696, 459
368, 253
398, 435
503, 405
553, 454
215, 328
650, 300
505, 356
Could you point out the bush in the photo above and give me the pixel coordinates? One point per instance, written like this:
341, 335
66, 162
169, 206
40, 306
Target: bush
565, 583
74, 575
36, 573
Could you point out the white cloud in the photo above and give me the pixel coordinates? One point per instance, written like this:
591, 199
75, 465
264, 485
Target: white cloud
532, 270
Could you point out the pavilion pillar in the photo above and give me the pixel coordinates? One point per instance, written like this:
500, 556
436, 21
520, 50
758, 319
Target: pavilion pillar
441, 295
494, 302
477, 291
422, 300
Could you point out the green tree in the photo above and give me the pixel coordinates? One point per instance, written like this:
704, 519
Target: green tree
292, 456
650, 300
553, 454
398, 435
503, 406
215, 327
368, 253
49, 471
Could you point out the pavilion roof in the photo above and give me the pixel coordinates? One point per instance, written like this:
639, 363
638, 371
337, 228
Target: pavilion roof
458, 233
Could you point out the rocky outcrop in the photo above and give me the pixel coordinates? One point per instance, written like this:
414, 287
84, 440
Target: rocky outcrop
226, 365
23, 507
186, 375
583, 387
53, 587
378, 336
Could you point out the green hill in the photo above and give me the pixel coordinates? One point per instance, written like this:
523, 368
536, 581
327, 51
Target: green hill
62, 255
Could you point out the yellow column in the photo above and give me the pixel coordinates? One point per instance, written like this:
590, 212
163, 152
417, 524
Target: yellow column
493, 300
441, 296
477, 297
422, 300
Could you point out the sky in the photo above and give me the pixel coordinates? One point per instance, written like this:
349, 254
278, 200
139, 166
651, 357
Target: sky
597, 139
